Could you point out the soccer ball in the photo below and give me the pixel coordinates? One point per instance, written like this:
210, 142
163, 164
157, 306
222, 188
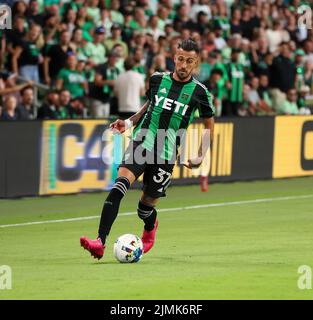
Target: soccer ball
128, 248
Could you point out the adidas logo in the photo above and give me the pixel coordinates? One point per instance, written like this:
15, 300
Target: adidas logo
163, 90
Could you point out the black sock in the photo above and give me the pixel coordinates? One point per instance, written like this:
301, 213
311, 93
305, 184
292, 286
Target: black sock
111, 206
148, 214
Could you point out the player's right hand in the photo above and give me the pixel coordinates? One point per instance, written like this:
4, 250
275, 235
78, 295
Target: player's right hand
194, 163
118, 125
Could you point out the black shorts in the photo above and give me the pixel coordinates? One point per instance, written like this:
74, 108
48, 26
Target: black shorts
156, 175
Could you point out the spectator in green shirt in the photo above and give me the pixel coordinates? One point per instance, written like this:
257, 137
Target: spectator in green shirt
235, 72
139, 62
139, 21
163, 14
289, 106
116, 15
93, 11
215, 86
120, 57
95, 50
115, 38
83, 23
223, 20
71, 79
206, 64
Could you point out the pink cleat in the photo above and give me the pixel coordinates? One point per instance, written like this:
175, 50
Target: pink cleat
95, 247
148, 238
204, 183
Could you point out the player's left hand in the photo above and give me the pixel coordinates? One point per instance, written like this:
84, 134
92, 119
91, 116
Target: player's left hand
194, 163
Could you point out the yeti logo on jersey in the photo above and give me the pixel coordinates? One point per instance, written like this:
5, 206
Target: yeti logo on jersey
168, 104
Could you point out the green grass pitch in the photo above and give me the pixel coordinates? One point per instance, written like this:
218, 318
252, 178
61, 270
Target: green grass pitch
244, 250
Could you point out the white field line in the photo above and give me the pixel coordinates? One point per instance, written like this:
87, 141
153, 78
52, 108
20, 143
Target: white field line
208, 205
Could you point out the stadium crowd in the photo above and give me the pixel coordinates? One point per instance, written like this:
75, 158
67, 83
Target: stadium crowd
96, 56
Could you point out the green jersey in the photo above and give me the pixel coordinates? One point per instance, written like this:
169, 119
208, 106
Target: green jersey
224, 23
73, 81
172, 108
236, 77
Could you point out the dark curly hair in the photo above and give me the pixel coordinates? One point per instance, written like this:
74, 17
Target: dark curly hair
189, 45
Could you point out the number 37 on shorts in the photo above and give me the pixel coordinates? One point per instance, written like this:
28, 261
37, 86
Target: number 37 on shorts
157, 181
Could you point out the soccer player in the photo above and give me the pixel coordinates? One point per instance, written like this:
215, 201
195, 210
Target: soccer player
173, 99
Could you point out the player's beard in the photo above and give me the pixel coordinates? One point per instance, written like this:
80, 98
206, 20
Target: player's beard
182, 75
